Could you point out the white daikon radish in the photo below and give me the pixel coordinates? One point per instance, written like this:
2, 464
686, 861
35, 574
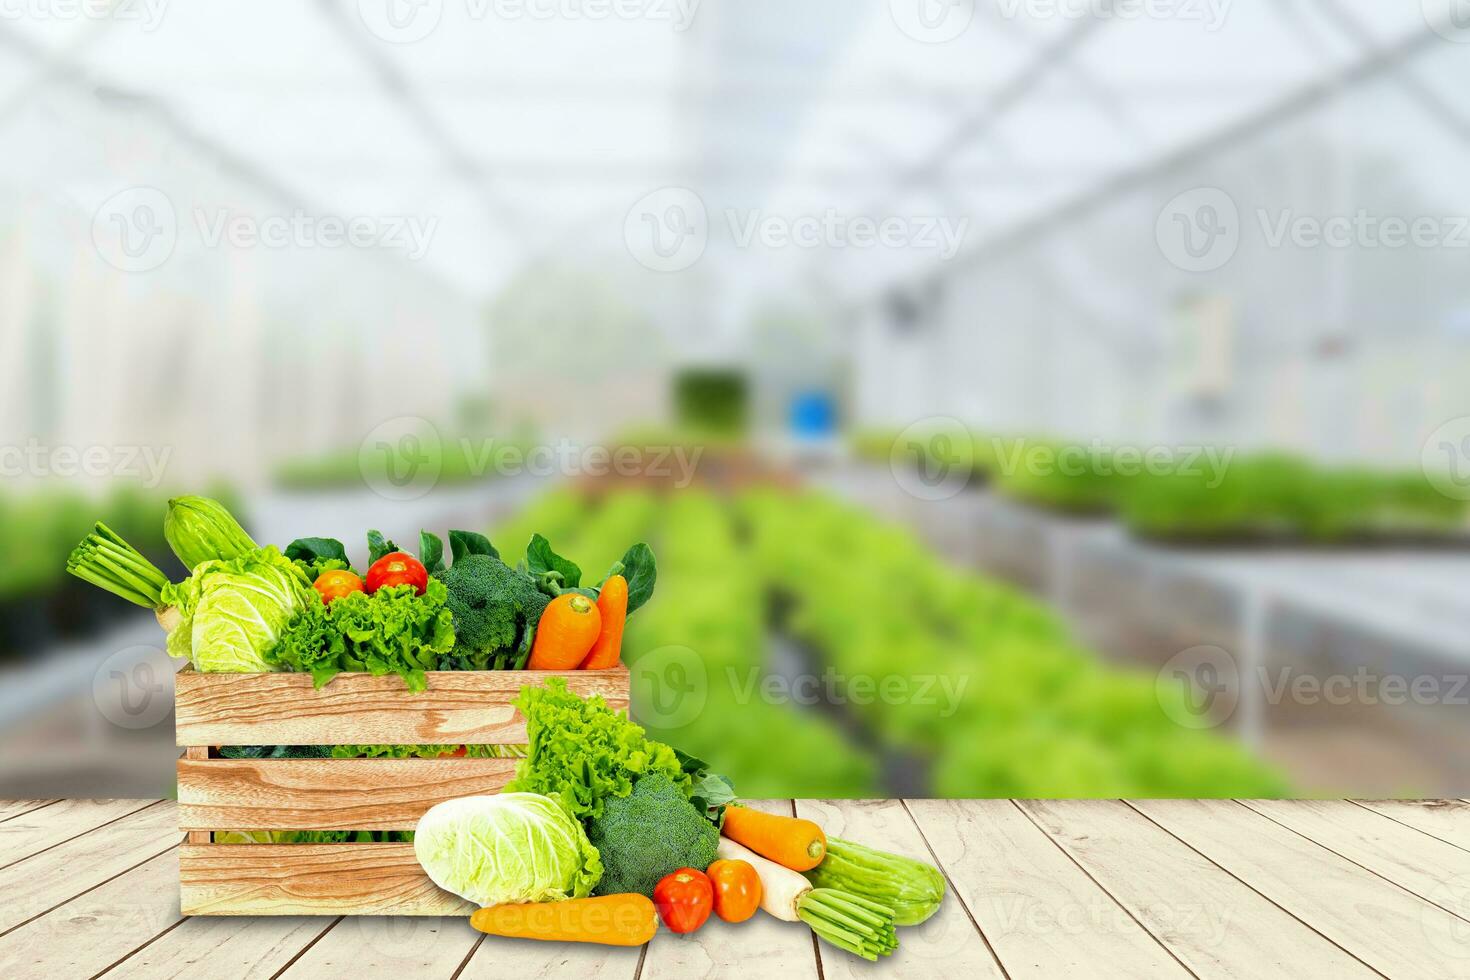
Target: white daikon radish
780, 887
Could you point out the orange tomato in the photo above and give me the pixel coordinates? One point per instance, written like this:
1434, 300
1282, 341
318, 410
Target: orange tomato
738, 889
335, 584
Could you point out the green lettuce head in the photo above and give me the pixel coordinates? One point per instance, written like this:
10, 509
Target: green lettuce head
514, 847
232, 611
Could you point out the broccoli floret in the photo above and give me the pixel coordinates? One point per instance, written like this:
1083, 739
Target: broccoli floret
493, 606
647, 834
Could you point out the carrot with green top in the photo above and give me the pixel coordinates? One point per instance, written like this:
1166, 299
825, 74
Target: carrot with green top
565, 634
612, 604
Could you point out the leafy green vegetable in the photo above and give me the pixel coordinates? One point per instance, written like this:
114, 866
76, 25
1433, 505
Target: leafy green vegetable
200, 529
494, 608
639, 569
584, 753
513, 847
649, 833
378, 546
431, 552
317, 555
708, 791
465, 543
912, 889
540, 559
234, 611
392, 631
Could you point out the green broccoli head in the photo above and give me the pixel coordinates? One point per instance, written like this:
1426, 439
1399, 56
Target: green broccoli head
492, 605
647, 834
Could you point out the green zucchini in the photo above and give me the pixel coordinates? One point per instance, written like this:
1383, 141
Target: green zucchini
912, 889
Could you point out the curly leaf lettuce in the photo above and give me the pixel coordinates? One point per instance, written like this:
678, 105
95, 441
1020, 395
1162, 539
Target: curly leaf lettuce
392, 631
582, 752
233, 611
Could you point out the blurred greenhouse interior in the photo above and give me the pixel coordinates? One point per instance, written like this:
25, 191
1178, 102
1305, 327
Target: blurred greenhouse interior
1022, 398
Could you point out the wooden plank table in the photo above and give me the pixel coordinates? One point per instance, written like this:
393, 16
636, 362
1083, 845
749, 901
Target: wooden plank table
1174, 888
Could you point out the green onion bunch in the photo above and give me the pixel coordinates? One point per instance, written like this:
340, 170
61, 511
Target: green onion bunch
849, 921
109, 562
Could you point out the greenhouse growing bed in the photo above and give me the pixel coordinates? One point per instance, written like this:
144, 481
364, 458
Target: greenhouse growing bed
988, 694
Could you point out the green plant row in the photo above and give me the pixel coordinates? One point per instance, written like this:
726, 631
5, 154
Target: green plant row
1186, 496
1010, 705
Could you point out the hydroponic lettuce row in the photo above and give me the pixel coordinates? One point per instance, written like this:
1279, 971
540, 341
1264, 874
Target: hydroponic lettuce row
246, 608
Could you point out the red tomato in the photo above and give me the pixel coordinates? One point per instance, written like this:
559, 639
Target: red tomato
398, 568
684, 899
737, 889
335, 584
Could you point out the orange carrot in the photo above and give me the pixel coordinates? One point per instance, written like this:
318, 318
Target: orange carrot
565, 634
613, 920
612, 603
796, 844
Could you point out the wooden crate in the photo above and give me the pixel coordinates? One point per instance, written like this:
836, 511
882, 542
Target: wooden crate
211, 710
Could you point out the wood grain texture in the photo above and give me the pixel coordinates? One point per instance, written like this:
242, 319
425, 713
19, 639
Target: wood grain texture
28, 833
1207, 917
309, 879
1409, 858
759, 948
45, 880
328, 794
89, 933
372, 947
1384, 926
1044, 917
471, 707
947, 944
221, 949
1449, 820
14, 808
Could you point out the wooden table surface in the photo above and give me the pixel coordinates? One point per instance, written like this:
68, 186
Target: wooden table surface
1037, 889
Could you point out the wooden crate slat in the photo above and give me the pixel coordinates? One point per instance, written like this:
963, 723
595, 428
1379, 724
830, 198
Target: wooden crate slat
309, 879
327, 794
472, 707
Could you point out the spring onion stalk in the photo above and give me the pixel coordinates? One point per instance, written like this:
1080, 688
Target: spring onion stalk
109, 562
849, 921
